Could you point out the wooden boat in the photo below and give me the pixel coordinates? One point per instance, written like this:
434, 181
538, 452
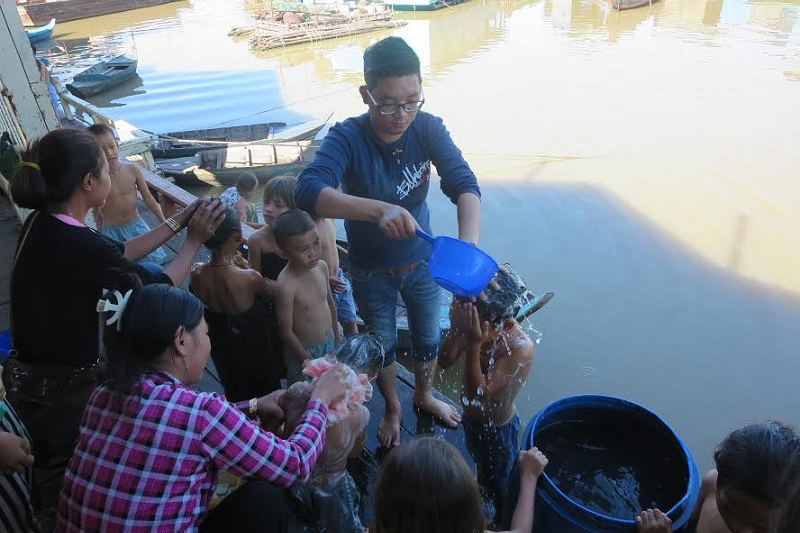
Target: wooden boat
170, 145
103, 76
184, 143
223, 166
42, 33
38, 12
619, 5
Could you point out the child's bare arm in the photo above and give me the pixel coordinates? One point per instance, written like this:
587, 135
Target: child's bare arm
451, 348
531, 464
284, 296
241, 209
254, 252
147, 196
331, 305
261, 285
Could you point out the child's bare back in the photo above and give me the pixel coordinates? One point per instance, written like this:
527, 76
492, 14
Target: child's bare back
227, 288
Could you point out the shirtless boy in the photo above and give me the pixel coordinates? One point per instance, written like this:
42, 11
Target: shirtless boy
119, 218
499, 356
756, 466
340, 285
306, 311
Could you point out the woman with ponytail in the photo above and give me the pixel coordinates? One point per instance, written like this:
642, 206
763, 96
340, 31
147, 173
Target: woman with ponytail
150, 446
60, 270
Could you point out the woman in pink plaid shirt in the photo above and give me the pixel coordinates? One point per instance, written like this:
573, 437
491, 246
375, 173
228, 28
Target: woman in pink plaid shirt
150, 446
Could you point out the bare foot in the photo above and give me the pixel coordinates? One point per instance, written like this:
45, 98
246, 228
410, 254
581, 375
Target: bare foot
389, 430
653, 521
446, 413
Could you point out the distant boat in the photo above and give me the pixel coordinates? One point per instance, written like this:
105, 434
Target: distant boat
42, 33
37, 12
188, 143
103, 76
223, 166
620, 5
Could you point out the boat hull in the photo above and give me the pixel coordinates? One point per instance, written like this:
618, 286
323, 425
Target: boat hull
42, 33
38, 13
103, 76
621, 5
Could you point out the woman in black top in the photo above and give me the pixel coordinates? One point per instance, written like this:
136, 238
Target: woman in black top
61, 269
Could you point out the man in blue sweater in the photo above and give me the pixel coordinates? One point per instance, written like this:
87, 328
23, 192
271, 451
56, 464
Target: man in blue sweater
382, 161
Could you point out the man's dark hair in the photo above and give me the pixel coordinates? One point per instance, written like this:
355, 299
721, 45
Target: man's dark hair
388, 58
291, 223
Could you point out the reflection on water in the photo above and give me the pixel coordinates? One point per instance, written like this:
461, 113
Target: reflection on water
642, 164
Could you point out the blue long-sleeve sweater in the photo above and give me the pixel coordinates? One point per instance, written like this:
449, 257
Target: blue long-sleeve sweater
353, 156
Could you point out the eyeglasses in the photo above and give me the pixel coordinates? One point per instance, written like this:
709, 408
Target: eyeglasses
391, 109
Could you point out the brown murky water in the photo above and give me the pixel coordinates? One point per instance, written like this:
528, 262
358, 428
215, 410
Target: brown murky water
641, 164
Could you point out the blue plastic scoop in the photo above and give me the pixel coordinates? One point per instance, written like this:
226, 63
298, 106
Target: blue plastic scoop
459, 267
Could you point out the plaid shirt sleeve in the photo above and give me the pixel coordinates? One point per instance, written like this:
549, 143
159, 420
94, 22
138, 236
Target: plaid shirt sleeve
236, 444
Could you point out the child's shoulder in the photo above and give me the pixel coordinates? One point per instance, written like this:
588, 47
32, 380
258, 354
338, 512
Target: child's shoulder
127, 167
709, 484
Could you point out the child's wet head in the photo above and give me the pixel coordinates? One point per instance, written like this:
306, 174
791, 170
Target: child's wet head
363, 353
505, 301
231, 228
755, 466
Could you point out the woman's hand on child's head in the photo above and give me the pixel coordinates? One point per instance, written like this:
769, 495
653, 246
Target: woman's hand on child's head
330, 386
205, 220
337, 285
531, 463
653, 521
15, 453
476, 331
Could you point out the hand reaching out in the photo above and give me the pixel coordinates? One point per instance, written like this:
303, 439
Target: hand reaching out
653, 521
337, 285
531, 463
15, 453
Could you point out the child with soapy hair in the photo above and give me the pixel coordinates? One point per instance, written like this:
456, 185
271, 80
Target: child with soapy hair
329, 501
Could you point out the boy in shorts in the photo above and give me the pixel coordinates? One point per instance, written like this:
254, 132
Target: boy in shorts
305, 308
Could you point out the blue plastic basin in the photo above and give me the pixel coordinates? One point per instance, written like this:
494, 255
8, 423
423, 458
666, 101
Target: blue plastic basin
671, 464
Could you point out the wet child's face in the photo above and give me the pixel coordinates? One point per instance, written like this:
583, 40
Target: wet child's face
745, 514
273, 208
304, 250
109, 145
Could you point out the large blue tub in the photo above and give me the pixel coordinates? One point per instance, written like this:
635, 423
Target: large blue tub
608, 458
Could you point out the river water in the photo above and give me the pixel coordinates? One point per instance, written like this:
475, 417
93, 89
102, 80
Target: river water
642, 165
